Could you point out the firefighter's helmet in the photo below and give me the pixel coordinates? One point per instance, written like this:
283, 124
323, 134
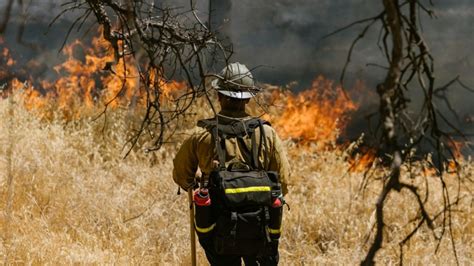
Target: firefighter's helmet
236, 81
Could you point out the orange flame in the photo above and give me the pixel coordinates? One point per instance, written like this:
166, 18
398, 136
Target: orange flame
363, 162
315, 115
83, 82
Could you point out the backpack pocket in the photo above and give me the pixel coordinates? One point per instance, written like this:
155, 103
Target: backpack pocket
241, 233
242, 189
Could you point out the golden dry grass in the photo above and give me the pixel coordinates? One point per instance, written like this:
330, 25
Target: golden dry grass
75, 200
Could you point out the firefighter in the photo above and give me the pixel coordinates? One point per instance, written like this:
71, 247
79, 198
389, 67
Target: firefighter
235, 86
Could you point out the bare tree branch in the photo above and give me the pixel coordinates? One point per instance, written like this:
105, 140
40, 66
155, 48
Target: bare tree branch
411, 67
163, 44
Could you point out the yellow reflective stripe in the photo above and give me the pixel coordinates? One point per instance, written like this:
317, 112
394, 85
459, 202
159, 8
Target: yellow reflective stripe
247, 189
274, 231
204, 230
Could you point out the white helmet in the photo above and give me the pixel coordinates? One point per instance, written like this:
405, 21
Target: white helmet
236, 81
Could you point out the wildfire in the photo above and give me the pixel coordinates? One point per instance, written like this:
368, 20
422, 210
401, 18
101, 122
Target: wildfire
87, 80
83, 82
315, 115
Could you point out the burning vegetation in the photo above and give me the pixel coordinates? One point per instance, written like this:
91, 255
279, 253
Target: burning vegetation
96, 208
87, 84
83, 84
76, 201
316, 115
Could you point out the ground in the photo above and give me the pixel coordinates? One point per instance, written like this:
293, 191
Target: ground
76, 200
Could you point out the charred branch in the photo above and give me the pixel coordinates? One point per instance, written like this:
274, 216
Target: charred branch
411, 67
164, 45
387, 92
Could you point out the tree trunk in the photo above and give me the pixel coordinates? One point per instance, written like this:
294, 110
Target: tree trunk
388, 98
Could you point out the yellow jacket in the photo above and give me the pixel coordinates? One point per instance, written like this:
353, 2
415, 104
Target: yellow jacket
199, 151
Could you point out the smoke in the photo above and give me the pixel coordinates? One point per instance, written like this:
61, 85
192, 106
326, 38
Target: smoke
288, 38
285, 39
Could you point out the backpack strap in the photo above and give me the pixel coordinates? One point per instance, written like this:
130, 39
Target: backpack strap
263, 139
255, 151
220, 147
244, 149
237, 129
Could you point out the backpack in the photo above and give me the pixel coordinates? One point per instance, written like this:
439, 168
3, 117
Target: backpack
246, 220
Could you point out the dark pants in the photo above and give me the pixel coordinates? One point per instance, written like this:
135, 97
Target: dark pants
231, 260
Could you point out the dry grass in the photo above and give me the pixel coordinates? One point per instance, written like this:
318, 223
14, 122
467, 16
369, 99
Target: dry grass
75, 200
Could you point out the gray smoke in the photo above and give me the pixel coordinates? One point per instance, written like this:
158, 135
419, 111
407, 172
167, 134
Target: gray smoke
288, 37
284, 39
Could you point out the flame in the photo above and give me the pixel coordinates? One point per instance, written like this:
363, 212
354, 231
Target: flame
31, 97
170, 89
89, 81
79, 86
315, 115
452, 165
363, 160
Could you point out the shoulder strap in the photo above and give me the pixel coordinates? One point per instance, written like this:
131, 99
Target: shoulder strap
255, 151
237, 129
263, 140
220, 147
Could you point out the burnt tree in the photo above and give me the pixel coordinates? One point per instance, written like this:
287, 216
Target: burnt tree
166, 43
403, 130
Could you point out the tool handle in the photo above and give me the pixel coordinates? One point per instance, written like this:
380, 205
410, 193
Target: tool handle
191, 229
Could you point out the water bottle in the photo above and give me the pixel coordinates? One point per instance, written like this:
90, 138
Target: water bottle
202, 213
276, 214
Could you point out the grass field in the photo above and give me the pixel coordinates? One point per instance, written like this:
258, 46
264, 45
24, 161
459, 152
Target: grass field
68, 197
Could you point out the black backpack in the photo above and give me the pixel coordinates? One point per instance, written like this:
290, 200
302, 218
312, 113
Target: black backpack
242, 195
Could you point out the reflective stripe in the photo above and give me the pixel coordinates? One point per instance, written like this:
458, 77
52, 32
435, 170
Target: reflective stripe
274, 231
246, 189
204, 230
